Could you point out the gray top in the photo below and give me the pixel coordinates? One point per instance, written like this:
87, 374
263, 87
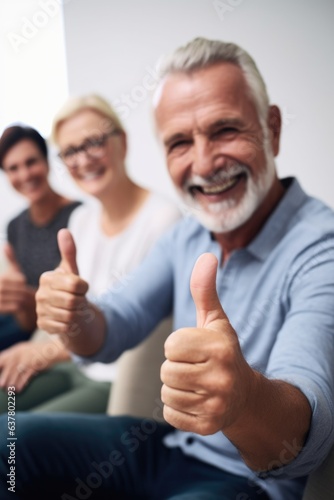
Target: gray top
36, 247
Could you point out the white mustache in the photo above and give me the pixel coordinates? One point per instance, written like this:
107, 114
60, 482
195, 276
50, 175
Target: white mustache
221, 175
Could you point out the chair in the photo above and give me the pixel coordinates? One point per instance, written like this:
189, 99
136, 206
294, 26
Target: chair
137, 388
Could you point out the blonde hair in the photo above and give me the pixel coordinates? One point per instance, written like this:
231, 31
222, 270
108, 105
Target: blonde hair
91, 101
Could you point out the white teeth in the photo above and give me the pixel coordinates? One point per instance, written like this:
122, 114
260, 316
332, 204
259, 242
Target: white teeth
91, 176
220, 188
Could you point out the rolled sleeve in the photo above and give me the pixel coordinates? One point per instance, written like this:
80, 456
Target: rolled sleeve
319, 440
304, 352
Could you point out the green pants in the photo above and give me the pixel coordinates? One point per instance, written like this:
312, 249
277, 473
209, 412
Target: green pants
63, 388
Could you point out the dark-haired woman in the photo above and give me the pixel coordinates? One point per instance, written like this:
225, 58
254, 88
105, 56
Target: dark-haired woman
32, 236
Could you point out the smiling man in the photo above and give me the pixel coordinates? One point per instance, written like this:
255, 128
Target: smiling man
248, 378
220, 144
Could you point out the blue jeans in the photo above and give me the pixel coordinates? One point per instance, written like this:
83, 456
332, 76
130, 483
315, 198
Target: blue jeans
10, 332
71, 457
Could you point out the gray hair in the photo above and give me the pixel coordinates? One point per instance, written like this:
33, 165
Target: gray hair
201, 53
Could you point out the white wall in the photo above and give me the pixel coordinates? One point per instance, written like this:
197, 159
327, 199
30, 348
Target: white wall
112, 47
33, 82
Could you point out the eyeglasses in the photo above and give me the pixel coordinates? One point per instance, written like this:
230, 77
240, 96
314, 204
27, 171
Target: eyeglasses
93, 147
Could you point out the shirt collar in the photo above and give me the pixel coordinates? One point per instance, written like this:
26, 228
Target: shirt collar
276, 226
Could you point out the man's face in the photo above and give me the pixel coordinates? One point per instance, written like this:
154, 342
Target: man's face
214, 145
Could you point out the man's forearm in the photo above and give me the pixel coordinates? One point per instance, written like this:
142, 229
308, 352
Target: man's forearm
274, 428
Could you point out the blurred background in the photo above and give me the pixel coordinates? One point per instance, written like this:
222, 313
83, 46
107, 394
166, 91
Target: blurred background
54, 48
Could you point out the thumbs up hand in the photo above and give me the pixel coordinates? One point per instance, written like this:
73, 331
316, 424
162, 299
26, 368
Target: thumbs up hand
60, 298
16, 296
206, 378
13, 285
68, 252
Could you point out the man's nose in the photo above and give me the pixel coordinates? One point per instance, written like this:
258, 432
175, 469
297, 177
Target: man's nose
203, 159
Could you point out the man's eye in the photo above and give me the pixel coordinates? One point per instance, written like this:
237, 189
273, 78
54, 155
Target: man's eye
178, 145
223, 132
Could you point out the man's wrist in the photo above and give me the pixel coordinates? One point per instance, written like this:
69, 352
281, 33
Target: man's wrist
276, 413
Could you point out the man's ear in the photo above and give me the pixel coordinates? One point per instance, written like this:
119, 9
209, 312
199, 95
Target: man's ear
274, 126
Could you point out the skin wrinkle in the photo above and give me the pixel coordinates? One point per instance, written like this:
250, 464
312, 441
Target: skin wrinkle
191, 112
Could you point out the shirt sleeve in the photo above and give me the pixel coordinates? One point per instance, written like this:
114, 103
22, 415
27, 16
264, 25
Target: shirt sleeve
164, 216
136, 305
304, 352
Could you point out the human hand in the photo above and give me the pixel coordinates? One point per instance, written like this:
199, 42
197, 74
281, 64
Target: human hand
20, 362
207, 381
13, 285
60, 298
16, 296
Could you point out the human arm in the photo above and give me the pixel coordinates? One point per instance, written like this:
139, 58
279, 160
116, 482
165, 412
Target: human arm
16, 296
62, 306
22, 361
209, 386
130, 308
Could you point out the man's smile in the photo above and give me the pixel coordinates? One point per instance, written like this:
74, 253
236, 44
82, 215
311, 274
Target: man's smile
217, 188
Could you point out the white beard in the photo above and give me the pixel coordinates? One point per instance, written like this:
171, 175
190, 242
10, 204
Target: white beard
228, 215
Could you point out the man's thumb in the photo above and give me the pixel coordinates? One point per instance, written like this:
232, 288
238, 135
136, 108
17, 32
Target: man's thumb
10, 255
203, 290
68, 252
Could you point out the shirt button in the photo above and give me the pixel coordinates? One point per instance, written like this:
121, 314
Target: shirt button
190, 440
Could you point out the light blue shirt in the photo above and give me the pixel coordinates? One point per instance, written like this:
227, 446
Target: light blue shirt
278, 293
